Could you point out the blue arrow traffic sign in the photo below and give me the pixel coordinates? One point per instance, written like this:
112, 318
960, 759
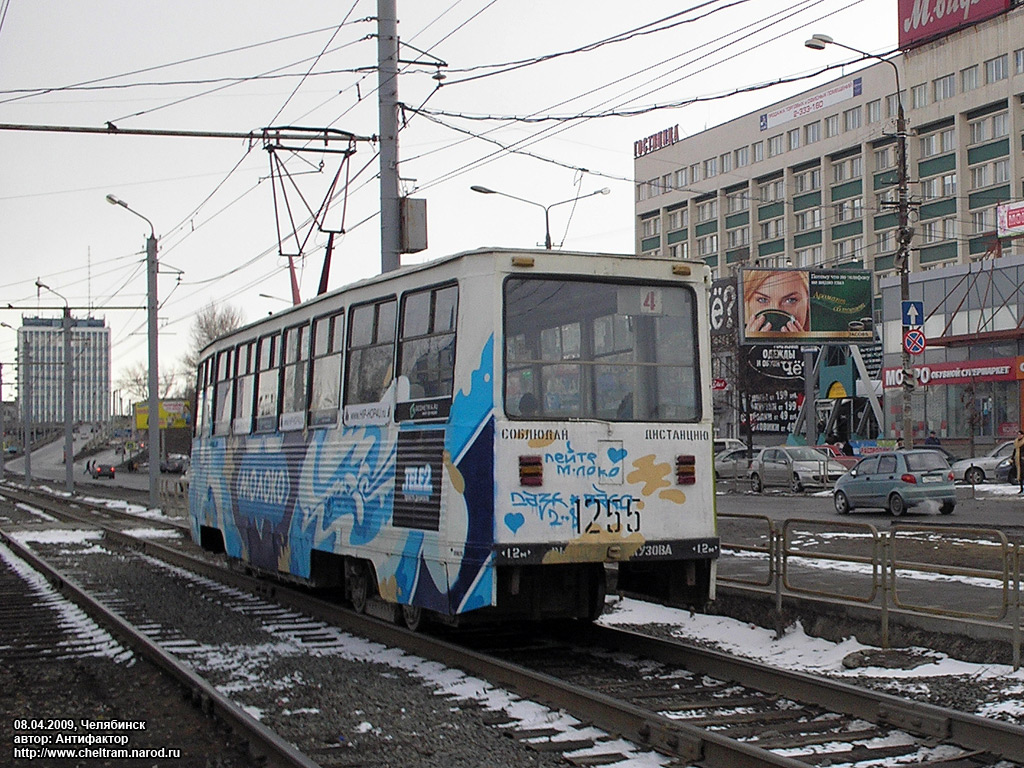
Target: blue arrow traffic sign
913, 313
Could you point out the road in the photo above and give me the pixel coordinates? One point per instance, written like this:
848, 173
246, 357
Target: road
989, 505
48, 467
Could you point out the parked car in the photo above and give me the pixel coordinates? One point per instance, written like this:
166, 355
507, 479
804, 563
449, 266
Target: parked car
175, 463
720, 444
734, 463
102, 470
946, 453
1006, 470
793, 466
980, 468
834, 453
896, 480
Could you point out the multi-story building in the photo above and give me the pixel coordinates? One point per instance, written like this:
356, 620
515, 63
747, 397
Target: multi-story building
811, 181
41, 367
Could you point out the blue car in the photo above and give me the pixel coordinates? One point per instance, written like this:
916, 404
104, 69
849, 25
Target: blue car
896, 480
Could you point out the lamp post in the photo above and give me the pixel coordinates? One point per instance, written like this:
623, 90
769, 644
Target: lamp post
3, 422
904, 231
547, 208
154, 393
69, 405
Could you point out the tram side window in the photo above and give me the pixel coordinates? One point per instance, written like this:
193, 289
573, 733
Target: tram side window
427, 348
245, 368
267, 384
293, 394
325, 392
371, 352
222, 394
204, 397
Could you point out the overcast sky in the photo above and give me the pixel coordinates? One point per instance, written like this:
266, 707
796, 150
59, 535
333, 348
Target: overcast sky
227, 66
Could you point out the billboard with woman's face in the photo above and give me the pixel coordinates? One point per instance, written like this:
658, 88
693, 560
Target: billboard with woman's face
813, 306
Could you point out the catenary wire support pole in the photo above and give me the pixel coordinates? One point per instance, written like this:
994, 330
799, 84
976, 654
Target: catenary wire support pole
387, 107
69, 403
904, 231
154, 391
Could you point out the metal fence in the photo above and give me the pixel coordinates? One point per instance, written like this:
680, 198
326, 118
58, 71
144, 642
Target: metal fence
961, 573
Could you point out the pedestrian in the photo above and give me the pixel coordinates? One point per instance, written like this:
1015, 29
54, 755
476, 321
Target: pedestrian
899, 444
1018, 449
932, 439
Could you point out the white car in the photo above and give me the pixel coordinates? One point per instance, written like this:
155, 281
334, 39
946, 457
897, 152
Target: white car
795, 467
981, 468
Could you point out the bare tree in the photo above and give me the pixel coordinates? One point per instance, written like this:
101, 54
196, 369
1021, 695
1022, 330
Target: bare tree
134, 382
211, 322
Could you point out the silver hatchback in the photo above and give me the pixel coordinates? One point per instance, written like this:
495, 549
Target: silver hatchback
896, 480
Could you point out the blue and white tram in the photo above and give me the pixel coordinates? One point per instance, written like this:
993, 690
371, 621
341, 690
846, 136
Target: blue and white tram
478, 436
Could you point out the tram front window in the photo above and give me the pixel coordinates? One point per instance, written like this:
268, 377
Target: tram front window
600, 350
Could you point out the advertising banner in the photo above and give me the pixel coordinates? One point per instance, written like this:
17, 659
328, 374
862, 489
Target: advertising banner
995, 369
922, 20
808, 306
1010, 219
174, 414
774, 381
809, 105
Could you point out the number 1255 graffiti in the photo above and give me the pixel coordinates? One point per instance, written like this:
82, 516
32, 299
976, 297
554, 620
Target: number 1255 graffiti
605, 512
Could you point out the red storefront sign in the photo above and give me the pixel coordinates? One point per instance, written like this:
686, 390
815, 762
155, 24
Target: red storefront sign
937, 374
924, 19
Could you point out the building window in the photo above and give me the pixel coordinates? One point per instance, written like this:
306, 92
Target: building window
742, 157
892, 104
949, 228
678, 218
725, 162
707, 211
812, 132
807, 181
809, 257
1001, 171
885, 242
679, 251
848, 210
885, 158
997, 69
757, 150
650, 227
682, 178
929, 145
982, 221
773, 229
831, 126
808, 220
775, 146
852, 119
847, 250
1018, 61
919, 96
707, 246
969, 78
771, 191
1000, 125
874, 111
695, 173
929, 232
710, 167
738, 237
948, 184
947, 139
944, 88
666, 183
738, 201
980, 131
793, 139
850, 168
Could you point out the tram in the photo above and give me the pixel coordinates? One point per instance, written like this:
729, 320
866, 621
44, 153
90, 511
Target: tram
486, 435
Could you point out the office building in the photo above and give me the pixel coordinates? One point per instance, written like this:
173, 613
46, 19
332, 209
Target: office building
811, 181
41, 360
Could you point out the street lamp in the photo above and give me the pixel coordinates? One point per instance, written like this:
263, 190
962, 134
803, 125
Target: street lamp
154, 393
904, 231
3, 425
547, 222
69, 405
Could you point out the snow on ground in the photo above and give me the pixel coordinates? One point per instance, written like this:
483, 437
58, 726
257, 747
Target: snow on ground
798, 651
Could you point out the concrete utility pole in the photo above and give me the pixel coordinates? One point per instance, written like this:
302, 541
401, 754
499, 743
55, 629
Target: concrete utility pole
26, 405
904, 231
387, 104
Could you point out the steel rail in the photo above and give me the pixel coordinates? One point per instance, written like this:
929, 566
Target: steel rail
263, 742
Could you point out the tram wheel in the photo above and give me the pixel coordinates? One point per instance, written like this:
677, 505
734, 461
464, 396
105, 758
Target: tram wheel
412, 617
359, 587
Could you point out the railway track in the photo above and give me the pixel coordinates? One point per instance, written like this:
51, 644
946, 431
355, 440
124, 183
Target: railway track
693, 704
